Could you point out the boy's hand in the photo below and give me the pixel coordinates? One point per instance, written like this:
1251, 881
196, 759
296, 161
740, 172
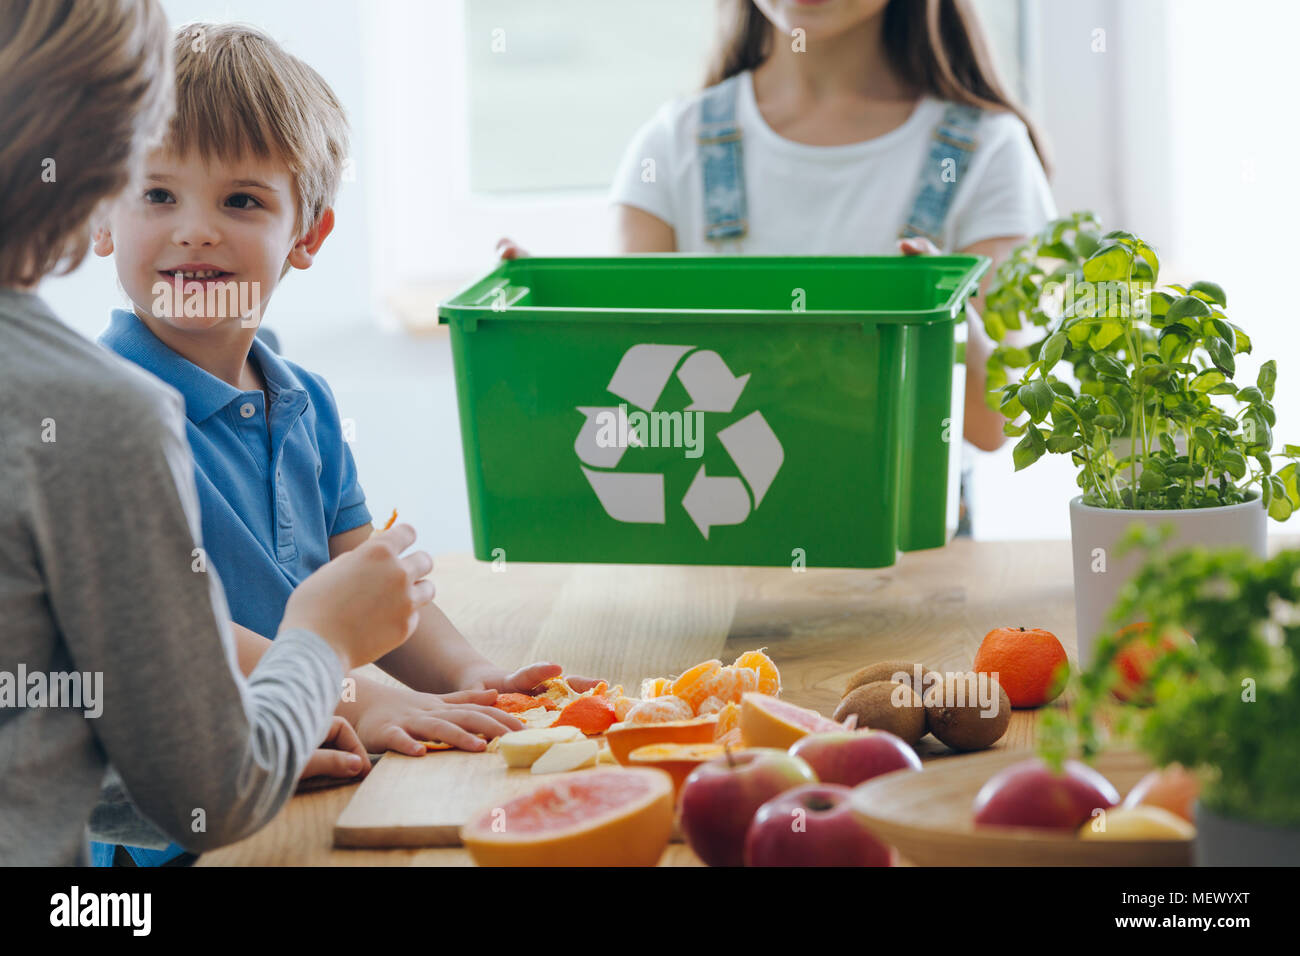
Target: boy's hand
526, 680
400, 719
365, 602
340, 754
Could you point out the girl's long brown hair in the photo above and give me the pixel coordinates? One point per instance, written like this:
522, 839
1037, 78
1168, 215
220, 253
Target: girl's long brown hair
937, 46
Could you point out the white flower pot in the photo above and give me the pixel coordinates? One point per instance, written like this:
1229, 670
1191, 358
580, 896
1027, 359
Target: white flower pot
1099, 572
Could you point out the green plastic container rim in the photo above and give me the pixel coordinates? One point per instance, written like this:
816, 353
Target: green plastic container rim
475, 301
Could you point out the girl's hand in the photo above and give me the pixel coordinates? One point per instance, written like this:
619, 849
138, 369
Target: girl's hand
400, 719
917, 246
506, 249
340, 754
528, 680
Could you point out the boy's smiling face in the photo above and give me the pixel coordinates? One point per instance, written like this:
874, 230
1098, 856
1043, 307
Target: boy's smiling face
212, 224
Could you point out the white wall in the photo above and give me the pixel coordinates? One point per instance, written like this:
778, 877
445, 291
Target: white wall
1180, 132
336, 292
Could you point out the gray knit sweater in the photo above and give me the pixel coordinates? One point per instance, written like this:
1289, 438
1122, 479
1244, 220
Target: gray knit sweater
98, 528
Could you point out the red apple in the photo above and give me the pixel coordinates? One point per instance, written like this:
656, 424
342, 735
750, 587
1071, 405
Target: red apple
1028, 794
1173, 788
719, 799
850, 757
812, 825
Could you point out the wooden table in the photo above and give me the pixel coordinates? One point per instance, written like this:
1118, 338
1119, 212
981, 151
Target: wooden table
626, 622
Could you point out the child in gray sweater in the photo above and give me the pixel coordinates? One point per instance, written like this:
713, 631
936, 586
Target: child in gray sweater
115, 646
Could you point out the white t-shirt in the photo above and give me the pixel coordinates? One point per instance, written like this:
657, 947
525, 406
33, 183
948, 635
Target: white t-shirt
834, 200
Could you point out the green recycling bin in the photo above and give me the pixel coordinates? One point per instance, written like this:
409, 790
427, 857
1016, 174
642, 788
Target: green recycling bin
728, 410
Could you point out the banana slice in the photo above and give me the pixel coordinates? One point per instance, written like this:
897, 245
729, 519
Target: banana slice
561, 758
521, 748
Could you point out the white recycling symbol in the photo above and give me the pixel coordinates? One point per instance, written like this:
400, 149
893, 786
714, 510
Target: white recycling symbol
638, 497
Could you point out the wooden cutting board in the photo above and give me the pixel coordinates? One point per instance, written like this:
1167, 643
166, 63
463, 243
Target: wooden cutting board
424, 801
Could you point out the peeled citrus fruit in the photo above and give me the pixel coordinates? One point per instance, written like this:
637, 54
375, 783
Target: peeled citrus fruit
600, 817
656, 687
696, 684
677, 759
728, 719
657, 710
628, 737
769, 678
768, 722
1030, 664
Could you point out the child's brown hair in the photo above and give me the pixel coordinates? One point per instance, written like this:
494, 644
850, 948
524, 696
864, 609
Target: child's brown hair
84, 86
238, 93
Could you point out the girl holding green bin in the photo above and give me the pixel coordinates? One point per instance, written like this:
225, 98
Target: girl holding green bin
841, 127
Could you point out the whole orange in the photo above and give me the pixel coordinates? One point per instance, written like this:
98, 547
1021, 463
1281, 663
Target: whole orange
1029, 662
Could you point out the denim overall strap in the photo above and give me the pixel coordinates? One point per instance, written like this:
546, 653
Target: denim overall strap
722, 162
945, 164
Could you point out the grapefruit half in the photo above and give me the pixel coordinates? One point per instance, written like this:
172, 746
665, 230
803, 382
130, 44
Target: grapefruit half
614, 817
768, 722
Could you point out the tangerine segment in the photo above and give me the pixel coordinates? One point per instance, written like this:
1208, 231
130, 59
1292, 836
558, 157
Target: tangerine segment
656, 687
591, 715
694, 685
728, 720
659, 710
725, 685
732, 739
602, 817
1030, 664
710, 705
769, 678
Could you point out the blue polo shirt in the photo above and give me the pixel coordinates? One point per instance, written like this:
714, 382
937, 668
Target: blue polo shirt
275, 483
271, 497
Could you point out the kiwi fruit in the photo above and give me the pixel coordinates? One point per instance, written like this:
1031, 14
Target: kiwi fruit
885, 671
964, 726
874, 705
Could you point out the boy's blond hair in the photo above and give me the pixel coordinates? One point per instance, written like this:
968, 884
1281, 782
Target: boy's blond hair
85, 85
238, 93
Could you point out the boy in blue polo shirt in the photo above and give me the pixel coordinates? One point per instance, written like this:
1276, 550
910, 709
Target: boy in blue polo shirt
239, 192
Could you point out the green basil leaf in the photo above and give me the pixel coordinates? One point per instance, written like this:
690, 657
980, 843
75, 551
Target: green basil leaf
1036, 396
1221, 355
1058, 444
1187, 307
1029, 449
1267, 378
1053, 349
1108, 264
1211, 290
1208, 380
1234, 463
